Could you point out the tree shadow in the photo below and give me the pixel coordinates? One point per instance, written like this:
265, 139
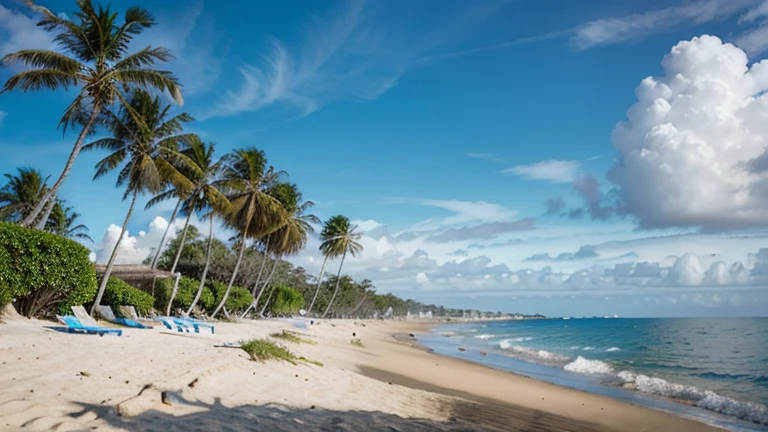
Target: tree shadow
269, 417
464, 416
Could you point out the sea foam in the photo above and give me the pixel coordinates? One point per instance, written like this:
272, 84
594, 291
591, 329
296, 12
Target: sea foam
586, 366
706, 399
612, 349
484, 336
507, 344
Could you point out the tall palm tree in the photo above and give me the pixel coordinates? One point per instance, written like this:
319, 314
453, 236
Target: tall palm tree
245, 179
20, 195
92, 57
148, 141
172, 193
343, 241
291, 237
62, 222
326, 234
202, 170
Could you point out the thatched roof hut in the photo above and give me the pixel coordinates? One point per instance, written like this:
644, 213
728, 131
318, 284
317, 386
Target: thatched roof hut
139, 275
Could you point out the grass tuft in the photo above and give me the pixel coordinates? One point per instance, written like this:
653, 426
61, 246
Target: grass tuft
314, 362
263, 350
292, 337
357, 342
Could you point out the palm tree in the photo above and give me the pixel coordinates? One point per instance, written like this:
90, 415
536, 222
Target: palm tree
62, 222
325, 235
172, 193
291, 237
245, 179
148, 141
202, 171
342, 240
93, 57
20, 195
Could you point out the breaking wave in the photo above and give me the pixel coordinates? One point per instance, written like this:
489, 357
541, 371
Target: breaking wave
612, 349
582, 365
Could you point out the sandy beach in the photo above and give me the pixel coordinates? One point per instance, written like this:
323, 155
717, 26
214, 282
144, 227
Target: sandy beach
166, 381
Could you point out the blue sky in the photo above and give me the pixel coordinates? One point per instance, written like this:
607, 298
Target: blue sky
444, 128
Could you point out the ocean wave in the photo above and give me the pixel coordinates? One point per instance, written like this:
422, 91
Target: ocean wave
612, 349
718, 376
530, 353
586, 366
484, 336
749, 411
575, 347
588, 348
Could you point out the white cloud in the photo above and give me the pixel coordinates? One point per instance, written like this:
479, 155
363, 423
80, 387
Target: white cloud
18, 31
3, 114
470, 211
357, 52
621, 29
754, 41
692, 152
555, 171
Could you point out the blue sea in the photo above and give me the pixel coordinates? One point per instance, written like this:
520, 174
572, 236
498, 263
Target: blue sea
711, 370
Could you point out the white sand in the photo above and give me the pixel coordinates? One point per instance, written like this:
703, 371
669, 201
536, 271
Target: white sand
43, 388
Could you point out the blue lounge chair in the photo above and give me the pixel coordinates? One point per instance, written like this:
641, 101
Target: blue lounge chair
196, 324
170, 322
107, 313
74, 325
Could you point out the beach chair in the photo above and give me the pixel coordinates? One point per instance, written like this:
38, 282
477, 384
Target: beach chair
74, 325
107, 313
196, 324
83, 316
171, 322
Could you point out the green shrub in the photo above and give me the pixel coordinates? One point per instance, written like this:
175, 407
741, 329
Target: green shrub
286, 301
184, 295
238, 300
44, 272
263, 349
119, 293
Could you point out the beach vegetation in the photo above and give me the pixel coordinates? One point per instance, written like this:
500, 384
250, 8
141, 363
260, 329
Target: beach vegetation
120, 293
43, 272
340, 239
292, 337
263, 350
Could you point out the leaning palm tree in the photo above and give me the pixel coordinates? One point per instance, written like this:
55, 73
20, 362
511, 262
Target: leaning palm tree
93, 58
202, 170
21, 193
291, 237
62, 222
171, 193
253, 212
343, 241
147, 140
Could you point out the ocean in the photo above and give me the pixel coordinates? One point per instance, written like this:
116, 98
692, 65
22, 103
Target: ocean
711, 370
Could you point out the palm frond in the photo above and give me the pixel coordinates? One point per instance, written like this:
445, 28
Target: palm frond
146, 57
151, 79
43, 59
33, 80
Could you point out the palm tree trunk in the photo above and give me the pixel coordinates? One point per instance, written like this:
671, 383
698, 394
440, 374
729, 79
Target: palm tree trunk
176, 262
165, 234
47, 213
319, 281
261, 270
32, 216
354, 309
266, 285
256, 287
266, 303
111, 262
205, 269
239, 260
335, 291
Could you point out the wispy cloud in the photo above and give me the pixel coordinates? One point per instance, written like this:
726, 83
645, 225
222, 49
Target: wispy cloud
555, 171
20, 31
621, 29
357, 52
198, 48
3, 114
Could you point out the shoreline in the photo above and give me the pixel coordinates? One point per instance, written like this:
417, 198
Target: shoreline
148, 380
522, 398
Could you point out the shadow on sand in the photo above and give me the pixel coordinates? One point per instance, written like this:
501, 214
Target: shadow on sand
277, 417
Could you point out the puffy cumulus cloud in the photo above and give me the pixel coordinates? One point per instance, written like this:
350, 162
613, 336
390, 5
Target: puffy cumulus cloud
696, 137
555, 171
134, 249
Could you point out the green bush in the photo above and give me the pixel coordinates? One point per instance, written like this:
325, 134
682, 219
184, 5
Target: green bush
119, 293
286, 301
43, 272
184, 295
238, 300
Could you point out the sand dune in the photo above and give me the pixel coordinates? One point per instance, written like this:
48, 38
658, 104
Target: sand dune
59, 381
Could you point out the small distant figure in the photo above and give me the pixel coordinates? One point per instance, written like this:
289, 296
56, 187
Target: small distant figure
353, 334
